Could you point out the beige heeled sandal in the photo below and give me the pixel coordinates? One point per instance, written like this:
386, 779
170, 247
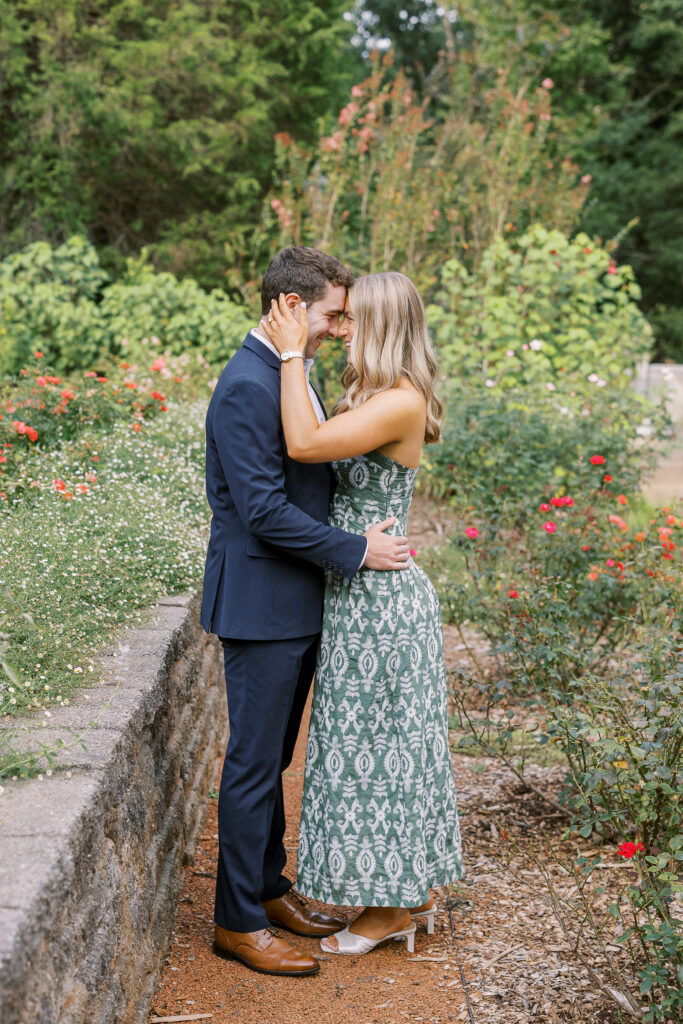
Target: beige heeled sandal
430, 914
351, 944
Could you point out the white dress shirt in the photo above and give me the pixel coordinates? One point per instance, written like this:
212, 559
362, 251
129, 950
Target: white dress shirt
308, 363
317, 408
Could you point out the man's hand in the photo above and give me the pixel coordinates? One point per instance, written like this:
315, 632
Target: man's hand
385, 552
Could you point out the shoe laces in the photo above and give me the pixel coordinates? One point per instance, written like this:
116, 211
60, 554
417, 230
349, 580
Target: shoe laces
299, 899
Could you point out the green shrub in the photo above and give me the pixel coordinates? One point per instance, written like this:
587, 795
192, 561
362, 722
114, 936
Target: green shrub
503, 452
541, 308
63, 304
577, 584
623, 741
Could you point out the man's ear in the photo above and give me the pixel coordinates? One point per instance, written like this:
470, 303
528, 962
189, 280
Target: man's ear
293, 300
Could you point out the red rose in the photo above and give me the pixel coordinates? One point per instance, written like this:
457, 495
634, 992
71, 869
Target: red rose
629, 849
512, 594
597, 460
607, 478
550, 526
472, 532
545, 507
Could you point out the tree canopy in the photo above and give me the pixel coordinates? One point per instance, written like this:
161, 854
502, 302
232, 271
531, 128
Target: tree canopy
152, 123
157, 123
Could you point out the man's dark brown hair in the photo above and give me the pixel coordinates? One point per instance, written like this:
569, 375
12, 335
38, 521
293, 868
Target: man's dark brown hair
304, 271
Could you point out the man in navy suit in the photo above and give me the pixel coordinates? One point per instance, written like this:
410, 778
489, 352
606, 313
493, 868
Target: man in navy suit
263, 595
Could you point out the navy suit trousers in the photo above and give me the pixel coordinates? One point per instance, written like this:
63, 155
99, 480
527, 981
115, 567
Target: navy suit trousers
267, 684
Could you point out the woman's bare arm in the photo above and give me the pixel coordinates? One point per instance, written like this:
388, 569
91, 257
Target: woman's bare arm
388, 416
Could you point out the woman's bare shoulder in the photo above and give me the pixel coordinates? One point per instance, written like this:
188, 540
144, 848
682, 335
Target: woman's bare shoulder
404, 395
411, 393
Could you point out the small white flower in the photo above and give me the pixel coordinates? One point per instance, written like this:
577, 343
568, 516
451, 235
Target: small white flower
601, 383
550, 386
489, 382
535, 344
593, 378
510, 353
564, 410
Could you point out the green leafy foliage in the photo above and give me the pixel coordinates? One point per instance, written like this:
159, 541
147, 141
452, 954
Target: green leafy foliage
541, 307
74, 570
152, 123
60, 302
541, 490
486, 166
623, 740
635, 77
577, 584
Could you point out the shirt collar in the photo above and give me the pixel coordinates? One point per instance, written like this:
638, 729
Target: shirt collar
308, 363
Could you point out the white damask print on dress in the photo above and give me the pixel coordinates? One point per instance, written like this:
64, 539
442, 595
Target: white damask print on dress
379, 821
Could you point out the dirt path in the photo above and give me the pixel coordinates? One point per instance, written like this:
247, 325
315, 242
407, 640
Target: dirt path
517, 963
383, 986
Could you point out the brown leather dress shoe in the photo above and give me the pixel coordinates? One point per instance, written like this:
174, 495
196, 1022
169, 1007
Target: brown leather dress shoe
292, 912
264, 952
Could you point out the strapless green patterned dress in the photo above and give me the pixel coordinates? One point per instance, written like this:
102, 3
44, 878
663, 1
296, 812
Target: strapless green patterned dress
379, 821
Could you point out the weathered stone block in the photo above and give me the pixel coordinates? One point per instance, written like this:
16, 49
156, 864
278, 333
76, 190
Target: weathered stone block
91, 862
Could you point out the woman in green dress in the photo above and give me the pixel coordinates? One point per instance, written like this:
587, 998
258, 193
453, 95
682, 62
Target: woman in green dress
379, 821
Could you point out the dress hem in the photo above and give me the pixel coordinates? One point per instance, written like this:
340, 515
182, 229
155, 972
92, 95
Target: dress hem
337, 898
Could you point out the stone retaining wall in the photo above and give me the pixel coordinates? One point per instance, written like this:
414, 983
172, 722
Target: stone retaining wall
91, 858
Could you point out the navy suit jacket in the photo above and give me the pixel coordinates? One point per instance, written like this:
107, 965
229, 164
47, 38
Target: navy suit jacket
270, 541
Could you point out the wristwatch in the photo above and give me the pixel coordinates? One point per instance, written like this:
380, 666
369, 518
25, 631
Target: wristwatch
286, 356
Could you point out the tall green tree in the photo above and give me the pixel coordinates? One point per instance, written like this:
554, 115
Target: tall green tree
636, 156
151, 122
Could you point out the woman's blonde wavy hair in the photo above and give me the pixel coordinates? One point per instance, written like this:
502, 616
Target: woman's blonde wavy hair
391, 341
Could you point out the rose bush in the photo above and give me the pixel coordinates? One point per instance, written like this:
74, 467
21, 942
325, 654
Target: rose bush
577, 583
41, 408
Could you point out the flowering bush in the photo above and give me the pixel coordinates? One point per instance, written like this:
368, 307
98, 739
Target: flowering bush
73, 569
391, 185
540, 308
41, 408
507, 453
623, 742
61, 302
578, 586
